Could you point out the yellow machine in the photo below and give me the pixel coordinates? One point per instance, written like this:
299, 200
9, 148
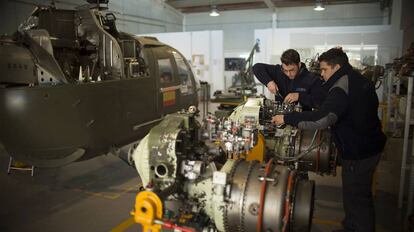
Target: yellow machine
148, 208
148, 213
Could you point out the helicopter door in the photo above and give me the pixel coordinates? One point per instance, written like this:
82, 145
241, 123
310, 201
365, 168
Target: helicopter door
139, 99
169, 85
188, 92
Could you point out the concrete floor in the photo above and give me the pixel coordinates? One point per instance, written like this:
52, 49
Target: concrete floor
94, 195
98, 194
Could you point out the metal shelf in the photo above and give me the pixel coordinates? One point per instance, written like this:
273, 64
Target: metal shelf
407, 122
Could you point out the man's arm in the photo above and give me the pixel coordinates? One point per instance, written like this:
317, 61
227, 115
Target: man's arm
265, 72
314, 95
332, 108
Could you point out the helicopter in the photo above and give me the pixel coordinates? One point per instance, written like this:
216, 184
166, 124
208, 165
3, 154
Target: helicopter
73, 87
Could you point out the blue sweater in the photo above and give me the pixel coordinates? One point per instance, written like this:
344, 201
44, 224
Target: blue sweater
305, 83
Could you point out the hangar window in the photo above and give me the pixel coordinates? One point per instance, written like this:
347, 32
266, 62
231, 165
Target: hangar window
360, 56
184, 72
165, 70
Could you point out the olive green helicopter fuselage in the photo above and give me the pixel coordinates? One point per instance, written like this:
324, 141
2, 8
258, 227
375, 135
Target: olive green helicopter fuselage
73, 87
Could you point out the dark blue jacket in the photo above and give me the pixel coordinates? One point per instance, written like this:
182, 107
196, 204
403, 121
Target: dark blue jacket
306, 84
351, 109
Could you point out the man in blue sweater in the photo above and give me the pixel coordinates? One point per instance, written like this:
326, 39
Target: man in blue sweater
291, 81
350, 109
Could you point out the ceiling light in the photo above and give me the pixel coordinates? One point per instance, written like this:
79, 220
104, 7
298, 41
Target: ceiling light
214, 11
319, 6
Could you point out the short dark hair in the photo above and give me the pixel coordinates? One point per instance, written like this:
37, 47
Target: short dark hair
334, 56
289, 57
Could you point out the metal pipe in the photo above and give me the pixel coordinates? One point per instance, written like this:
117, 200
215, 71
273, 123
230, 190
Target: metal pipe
411, 186
397, 93
389, 93
111, 52
104, 49
205, 100
405, 145
137, 127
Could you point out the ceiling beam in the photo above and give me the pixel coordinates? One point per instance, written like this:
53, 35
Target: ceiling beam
269, 4
293, 3
225, 7
196, 6
194, 3
173, 9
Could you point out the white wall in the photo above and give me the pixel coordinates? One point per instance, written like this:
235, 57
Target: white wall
275, 41
146, 16
208, 44
134, 16
333, 15
386, 38
238, 26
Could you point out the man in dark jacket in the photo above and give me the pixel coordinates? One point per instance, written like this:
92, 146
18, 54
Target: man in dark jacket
291, 81
350, 109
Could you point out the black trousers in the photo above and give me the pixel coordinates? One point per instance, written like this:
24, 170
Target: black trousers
358, 204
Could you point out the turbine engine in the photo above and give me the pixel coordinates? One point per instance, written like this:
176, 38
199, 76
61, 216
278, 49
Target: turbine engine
190, 180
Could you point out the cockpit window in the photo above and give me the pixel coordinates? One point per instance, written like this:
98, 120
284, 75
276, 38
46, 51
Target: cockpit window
184, 74
166, 71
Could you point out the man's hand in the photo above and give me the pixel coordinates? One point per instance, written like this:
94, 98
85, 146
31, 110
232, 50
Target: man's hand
292, 97
278, 120
272, 87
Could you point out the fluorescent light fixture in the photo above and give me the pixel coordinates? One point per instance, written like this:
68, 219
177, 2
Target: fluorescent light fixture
319, 6
214, 11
